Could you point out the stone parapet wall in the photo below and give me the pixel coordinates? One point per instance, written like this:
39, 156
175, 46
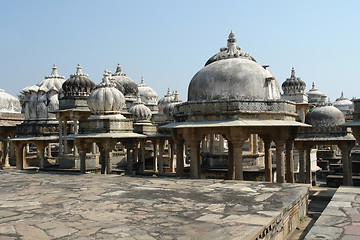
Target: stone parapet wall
106, 125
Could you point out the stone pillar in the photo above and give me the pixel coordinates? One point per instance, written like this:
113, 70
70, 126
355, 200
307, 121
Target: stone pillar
179, 158
251, 146
268, 160
171, 153
255, 144
142, 155
49, 151
105, 155
280, 164
161, 156
83, 147
129, 161
194, 158
75, 122
5, 144
212, 146
82, 155
221, 143
41, 153
261, 145
136, 155
65, 139
20, 155
308, 174
300, 147
347, 164
238, 159
231, 162
156, 153
60, 137
289, 162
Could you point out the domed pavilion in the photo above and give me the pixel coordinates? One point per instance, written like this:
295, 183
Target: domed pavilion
345, 105
327, 129
10, 116
234, 96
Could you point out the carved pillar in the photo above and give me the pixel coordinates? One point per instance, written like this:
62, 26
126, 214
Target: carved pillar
251, 146
261, 145
280, 164
156, 154
40, 146
194, 158
221, 143
161, 156
300, 147
75, 122
130, 145
172, 154
106, 146
20, 155
347, 164
5, 144
179, 157
60, 136
268, 160
289, 162
237, 137
65, 139
142, 155
212, 146
308, 174
255, 144
231, 162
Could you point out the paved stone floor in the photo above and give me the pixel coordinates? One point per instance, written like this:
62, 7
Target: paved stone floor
43, 205
341, 217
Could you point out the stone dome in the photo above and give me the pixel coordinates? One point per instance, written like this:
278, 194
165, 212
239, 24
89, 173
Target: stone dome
9, 103
233, 75
106, 98
168, 98
78, 84
324, 116
293, 84
52, 80
344, 104
315, 96
125, 84
147, 94
140, 111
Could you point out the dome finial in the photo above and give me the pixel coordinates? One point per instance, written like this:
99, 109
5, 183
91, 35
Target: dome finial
313, 85
342, 95
168, 92
118, 68
231, 35
105, 79
78, 69
54, 71
176, 97
293, 72
142, 80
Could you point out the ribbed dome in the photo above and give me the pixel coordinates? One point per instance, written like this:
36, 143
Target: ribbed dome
233, 76
125, 84
344, 104
9, 103
324, 116
168, 98
140, 111
147, 94
293, 84
53, 80
78, 84
106, 98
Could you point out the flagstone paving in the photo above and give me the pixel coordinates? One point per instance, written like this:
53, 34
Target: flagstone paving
43, 205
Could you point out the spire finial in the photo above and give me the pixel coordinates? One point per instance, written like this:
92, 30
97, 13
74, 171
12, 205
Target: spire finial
105, 79
313, 85
142, 80
176, 97
54, 71
293, 72
342, 95
118, 68
168, 92
78, 69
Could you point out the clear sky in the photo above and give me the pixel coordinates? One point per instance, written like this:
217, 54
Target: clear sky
167, 42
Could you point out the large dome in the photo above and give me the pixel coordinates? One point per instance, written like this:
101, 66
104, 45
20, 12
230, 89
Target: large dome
9, 103
106, 98
324, 116
125, 84
233, 75
147, 94
78, 84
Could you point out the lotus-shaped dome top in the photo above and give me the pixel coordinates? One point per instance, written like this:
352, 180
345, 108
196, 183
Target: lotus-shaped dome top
140, 111
293, 84
78, 84
52, 80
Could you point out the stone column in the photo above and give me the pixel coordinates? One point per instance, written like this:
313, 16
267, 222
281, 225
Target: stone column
172, 153
268, 160
231, 162
289, 162
142, 155
161, 156
105, 147
194, 158
237, 155
83, 148
299, 146
156, 153
49, 151
212, 146
308, 174
347, 164
221, 143
41, 153
5, 153
179, 157
20, 155
136, 155
129, 161
75, 122
60, 137
251, 146
261, 145
65, 139
280, 164
255, 144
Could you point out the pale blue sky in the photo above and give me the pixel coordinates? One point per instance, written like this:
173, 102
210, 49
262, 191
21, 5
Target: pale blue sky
167, 42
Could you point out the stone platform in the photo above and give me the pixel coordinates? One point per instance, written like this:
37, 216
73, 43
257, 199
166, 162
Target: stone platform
341, 217
41, 205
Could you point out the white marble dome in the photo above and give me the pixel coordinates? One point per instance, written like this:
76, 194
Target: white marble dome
324, 116
147, 94
9, 103
233, 75
106, 99
168, 98
170, 107
315, 96
141, 112
125, 84
52, 80
344, 104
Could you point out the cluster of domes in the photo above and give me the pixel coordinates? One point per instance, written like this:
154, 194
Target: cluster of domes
293, 84
9, 103
233, 75
78, 84
106, 98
